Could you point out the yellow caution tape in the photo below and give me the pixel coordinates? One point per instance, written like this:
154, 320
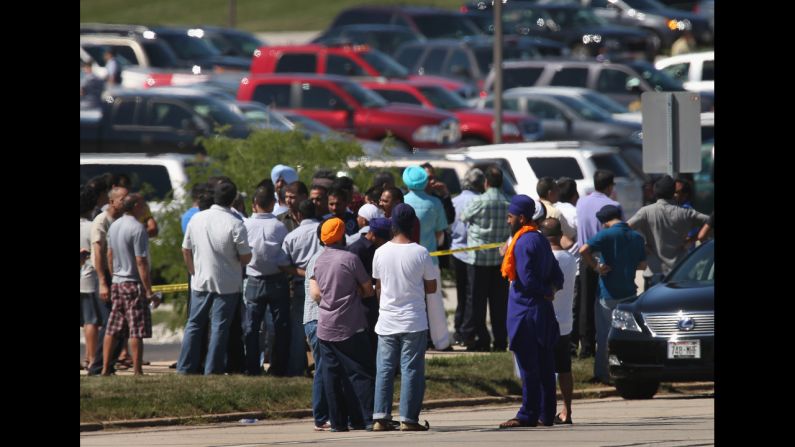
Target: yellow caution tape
174, 288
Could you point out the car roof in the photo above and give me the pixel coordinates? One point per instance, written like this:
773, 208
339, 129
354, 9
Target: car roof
564, 147
142, 158
299, 76
374, 28
557, 90
170, 91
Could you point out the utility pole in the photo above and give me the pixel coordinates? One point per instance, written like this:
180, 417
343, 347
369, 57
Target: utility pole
497, 71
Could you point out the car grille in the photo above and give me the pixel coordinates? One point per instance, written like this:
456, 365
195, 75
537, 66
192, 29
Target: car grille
667, 325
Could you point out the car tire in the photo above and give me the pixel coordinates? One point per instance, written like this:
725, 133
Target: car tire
637, 389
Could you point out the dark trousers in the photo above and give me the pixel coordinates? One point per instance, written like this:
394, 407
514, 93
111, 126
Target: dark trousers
205, 341
485, 284
96, 366
349, 380
461, 293
259, 293
589, 284
574, 335
371, 307
235, 355
537, 368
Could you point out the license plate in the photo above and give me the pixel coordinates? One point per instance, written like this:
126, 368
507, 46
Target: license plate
689, 349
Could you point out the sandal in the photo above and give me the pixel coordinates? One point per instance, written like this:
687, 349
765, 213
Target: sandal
413, 426
515, 423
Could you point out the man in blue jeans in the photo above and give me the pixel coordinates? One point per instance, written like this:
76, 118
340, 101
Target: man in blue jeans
404, 274
319, 404
215, 249
623, 251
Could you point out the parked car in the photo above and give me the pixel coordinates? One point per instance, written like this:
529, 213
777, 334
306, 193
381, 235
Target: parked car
527, 162
696, 71
469, 59
346, 106
358, 61
615, 109
433, 23
230, 41
665, 22
384, 38
477, 126
567, 117
668, 333
157, 121
623, 83
582, 31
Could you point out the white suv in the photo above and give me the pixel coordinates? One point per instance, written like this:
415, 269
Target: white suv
528, 162
695, 70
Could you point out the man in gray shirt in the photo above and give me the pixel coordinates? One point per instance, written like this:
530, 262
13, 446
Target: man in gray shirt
215, 249
300, 245
131, 288
664, 224
266, 284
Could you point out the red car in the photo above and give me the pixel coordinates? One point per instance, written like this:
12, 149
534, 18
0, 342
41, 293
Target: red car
477, 125
344, 105
343, 60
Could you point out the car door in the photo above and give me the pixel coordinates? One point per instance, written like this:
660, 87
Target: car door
319, 102
123, 131
171, 126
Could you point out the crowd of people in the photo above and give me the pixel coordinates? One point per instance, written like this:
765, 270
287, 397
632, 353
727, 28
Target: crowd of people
349, 276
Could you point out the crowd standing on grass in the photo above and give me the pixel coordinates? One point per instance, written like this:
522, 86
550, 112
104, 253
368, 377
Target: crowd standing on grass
351, 279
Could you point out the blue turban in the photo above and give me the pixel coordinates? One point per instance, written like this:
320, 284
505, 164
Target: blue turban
415, 178
380, 226
287, 173
522, 205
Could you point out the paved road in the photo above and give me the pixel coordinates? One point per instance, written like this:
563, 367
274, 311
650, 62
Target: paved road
662, 421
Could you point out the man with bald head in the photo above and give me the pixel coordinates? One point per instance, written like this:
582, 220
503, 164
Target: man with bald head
99, 249
131, 289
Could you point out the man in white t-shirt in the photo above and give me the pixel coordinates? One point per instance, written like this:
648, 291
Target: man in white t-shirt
567, 205
564, 298
404, 274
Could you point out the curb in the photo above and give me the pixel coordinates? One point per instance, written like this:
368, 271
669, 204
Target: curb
590, 393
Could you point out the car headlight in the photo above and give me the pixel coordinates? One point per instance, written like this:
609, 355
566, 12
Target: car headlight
624, 321
447, 132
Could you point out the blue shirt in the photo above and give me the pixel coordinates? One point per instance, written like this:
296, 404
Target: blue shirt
430, 212
621, 248
186, 217
265, 236
459, 229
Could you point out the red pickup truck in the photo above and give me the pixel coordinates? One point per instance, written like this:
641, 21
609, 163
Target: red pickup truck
346, 106
477, 125
342, 60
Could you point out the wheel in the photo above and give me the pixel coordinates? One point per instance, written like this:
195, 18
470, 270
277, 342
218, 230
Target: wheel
473, 142
637, 389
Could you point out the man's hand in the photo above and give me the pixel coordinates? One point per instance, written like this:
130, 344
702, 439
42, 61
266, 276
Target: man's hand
602, 269
154, 298
104, 292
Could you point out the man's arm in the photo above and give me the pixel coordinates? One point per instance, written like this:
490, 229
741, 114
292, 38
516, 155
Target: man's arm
642, 265
430, 286
151, 227
142, 263
99, 265
378, 288
367, 289
566, 243
244, 259
314, 290
587, 257
187, 256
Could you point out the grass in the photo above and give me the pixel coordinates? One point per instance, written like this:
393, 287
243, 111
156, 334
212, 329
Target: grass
171, 395
252, 15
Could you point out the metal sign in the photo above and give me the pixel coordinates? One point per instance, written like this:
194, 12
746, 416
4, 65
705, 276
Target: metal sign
671, 132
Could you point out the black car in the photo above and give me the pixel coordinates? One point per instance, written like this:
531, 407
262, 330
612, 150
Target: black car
433, 23
384, 38
586, 34
668, 333
191, 47
231, 42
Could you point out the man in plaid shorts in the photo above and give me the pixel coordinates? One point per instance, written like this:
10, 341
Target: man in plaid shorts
131, 287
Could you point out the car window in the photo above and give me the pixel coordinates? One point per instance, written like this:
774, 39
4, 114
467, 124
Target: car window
556, 167
436, 26
124, 110
319, 98
544, 110
520, 77
612, 163
152, 181
433, 62
126, 53
160, 56
615, 81
698, 267
398, 96
449, 177
678, 71
384, 65
273, 95
571, 77
345, 66
507, 104
408, 56
187, 47
458, 65
297, 63
708, 71
166, 114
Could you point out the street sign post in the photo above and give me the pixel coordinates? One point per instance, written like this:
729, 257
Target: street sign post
671, 132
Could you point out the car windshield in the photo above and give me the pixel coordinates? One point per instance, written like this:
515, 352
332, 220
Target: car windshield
605, 102
436, 26
575, 18
188, 47
443, 98
385, 65
218, 112
367, 98
243, 43
658, 79
263, 118
697, 268
584, 109
308, 124
612, 163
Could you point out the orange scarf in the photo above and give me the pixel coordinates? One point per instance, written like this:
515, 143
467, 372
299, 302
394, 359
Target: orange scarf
509, 261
